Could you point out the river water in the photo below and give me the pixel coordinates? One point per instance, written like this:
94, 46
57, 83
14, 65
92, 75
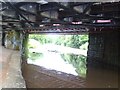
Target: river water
54, 61
95, 77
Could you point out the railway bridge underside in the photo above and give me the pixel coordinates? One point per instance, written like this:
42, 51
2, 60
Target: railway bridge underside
100, 21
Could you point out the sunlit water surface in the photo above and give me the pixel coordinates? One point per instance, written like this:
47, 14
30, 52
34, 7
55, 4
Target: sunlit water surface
53, 60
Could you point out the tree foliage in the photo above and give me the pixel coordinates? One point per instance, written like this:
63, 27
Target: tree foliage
73, 41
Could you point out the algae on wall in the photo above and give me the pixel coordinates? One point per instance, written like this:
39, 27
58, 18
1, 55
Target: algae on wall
24, 45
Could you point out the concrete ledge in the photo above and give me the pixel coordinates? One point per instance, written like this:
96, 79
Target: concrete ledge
11, 70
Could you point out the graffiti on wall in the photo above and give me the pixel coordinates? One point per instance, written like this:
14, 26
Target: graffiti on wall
12, 40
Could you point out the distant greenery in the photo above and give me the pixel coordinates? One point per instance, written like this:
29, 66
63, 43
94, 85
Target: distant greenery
73, 41
84, 46
41, 38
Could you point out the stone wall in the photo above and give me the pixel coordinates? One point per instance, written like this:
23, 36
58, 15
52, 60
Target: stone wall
103, 49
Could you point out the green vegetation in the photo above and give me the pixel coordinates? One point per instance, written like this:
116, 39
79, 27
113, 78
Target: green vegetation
33, 55
73, 41
78, 61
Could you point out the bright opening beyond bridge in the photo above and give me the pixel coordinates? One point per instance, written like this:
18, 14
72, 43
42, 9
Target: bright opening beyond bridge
63, 53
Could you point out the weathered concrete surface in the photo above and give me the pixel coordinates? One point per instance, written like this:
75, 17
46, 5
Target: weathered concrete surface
10, 65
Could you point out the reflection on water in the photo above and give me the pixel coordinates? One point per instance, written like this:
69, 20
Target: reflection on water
68, 63
78, 61
65, 53
69, 57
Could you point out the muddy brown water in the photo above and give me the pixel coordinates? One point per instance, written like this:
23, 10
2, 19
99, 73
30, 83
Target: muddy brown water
39, 77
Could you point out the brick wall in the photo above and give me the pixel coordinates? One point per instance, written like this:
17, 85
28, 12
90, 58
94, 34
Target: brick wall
103, 49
